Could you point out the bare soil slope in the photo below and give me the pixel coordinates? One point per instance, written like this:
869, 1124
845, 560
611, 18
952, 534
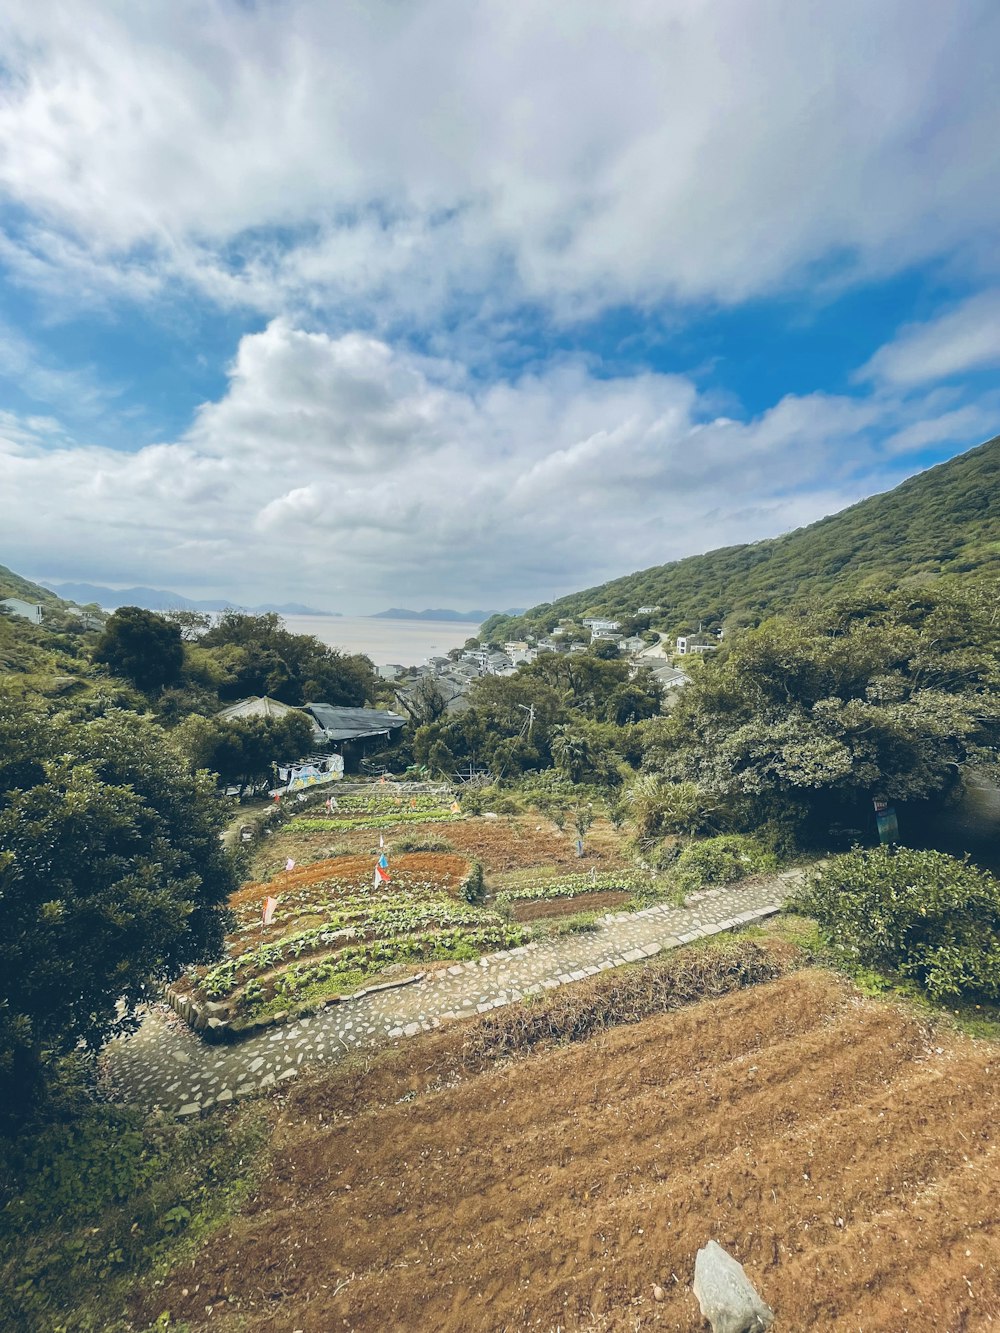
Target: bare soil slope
843, 1150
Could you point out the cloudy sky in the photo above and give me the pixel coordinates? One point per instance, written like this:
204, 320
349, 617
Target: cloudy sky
456, 304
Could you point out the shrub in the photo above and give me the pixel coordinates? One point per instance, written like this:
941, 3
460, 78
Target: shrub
722, 860
922, 914
473, 889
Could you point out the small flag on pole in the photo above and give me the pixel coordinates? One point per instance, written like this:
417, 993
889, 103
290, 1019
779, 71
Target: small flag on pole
455, 808
384, 861
290, 863
381, 876
269, 905
381, 840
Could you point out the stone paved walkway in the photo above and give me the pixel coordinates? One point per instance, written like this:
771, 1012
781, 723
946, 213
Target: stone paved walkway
164, 1064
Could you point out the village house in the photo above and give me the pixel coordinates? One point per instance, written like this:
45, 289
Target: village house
26, 610
594, 623
695, 643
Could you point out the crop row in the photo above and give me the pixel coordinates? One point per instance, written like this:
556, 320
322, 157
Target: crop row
333, 824
383, 804
573, 886
367, 959
392, 916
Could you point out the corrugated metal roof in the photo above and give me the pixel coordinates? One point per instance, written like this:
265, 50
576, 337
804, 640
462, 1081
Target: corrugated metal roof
258, 705
346, 724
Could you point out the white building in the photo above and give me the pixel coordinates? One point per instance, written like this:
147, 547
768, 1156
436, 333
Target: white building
390, 671
519, 652
691, 643
648, 610
597, 624
26, 610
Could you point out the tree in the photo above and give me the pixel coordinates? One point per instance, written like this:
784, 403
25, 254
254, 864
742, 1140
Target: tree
876, 697
112, 879
142, 647
243, 751
192, 624
259, 656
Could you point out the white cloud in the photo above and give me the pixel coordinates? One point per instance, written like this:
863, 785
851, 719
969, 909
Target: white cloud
419, 155
348, 473
966, 338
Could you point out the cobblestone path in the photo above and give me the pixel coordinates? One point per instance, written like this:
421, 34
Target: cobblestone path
164, 1064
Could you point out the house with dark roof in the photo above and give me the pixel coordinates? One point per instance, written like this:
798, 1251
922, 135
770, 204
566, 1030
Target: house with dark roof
334, 724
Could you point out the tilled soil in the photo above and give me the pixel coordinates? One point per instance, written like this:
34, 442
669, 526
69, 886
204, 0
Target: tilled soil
841, 1148
538, 909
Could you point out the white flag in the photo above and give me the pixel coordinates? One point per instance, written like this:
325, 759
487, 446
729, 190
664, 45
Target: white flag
381, 840
290, 863
269, 905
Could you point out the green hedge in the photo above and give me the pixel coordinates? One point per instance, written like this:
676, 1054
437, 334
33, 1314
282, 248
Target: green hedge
920, 914
722, 860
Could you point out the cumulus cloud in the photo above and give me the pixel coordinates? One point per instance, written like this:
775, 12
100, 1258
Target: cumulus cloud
350, 473
403, 158
964, 339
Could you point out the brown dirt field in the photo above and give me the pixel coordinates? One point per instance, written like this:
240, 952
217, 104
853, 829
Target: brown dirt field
510, 842
841, 1148
443, 868
546, 908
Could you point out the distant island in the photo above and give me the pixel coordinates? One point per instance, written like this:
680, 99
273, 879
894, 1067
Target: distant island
159, 599
469, 617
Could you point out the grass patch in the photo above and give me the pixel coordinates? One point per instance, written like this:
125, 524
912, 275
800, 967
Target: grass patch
580, 923
95, 1200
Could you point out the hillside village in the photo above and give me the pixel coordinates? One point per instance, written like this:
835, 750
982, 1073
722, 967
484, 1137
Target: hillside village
423, 891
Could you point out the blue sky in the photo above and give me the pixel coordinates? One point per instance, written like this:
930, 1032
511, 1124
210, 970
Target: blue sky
461, 305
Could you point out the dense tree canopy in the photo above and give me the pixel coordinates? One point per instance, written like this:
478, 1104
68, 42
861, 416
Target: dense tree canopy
141, 646
877, 697
242, 751
257, 655
112, 877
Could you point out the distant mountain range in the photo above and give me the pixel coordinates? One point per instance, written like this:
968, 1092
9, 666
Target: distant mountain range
158, 599
469, 617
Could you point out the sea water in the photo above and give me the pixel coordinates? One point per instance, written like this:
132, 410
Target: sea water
406, 642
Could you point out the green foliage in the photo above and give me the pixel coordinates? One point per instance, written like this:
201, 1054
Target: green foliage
420, 845
257, 655
923, 915
574, 886
473, 888
814, 716
141, 646
943, 521
721, 860
112, 878
322, 823
242, 751
97, 1198
658, 807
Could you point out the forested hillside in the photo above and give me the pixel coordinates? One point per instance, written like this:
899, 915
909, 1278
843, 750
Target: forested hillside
13, 585
946, 520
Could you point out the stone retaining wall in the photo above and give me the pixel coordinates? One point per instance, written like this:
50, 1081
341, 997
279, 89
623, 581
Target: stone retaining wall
211, 1019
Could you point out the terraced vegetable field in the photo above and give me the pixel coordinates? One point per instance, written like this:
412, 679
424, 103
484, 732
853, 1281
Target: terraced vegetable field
334, 929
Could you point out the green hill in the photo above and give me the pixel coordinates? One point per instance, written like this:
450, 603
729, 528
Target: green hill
13, 585
945, 520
